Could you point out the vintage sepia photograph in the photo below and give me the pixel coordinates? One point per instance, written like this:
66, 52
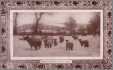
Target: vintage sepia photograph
56, 34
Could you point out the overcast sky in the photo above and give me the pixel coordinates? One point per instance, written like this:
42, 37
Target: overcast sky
56, 18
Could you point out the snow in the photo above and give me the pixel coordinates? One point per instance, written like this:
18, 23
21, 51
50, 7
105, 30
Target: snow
22, 48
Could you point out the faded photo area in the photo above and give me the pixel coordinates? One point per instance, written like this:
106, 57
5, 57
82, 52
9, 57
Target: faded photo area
56, 34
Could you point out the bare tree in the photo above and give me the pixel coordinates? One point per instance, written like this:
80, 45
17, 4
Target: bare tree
36, 26
94, 27
71, 25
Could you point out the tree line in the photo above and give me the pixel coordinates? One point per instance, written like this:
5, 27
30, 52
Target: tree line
71, 25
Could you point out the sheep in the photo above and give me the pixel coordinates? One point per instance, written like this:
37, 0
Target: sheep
55, 42
48, 43
74, 37
84, 43
36, 43
69, 45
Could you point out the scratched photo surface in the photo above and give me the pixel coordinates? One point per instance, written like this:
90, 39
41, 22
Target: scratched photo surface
56, 34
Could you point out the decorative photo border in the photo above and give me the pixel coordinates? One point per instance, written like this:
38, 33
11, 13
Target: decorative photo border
7, 5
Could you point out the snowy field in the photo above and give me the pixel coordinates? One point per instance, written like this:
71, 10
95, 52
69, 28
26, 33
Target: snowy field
22, 48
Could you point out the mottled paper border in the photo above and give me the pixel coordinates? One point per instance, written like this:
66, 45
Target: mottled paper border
7, 5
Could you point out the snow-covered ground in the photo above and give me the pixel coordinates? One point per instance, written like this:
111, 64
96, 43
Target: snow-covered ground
22, 48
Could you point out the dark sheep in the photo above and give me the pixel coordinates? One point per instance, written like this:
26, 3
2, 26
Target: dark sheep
84, 43
36, 43
74, 37
45, 43
48, 43
69, 45
55, 42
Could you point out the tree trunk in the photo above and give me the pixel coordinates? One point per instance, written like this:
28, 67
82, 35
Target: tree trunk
36, 29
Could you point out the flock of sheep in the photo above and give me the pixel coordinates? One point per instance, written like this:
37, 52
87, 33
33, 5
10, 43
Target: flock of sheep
49, 42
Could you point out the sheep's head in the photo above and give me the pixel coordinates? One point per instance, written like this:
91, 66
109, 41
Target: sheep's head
79, 39
24, 38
